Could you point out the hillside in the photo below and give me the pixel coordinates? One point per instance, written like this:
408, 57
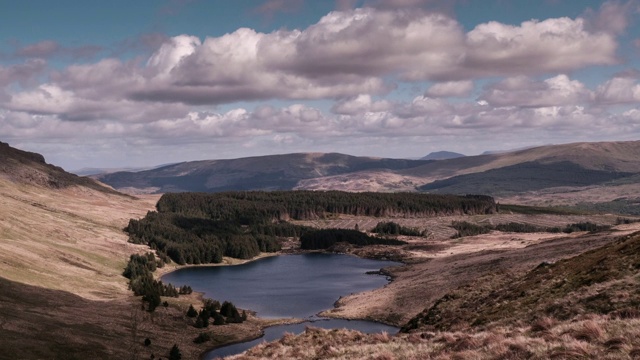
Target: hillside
275, 172
555, 298
602, 281
31, 168
524, 177
603, 156
62, 254
564, 169
62, 231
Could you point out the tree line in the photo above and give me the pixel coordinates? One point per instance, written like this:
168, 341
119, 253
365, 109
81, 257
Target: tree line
139, 271
326, 238
465, 228
250, 207
201, 228
392, 228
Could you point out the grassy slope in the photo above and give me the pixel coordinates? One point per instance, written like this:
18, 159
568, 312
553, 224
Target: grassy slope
608, 156
62, 296
601, 281
66, 239
522, 178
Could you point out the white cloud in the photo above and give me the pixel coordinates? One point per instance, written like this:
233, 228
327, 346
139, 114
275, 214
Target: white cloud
360, 104
344, 55
612, 16
522, 91
450, 89
352, 59
170, 53
619, 90
22, 74
535, 47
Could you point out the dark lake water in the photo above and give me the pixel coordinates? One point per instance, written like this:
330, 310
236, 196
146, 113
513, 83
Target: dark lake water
297, 286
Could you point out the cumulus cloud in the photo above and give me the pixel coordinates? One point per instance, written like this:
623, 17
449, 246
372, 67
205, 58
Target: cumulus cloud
23, 73
360, 121
536, 47
349, 53
522, 91
619, 90
352, 58
360, 104
612, 16
344, 55
450, 89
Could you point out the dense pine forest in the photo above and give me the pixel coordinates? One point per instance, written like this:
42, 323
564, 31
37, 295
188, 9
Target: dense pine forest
326, 238
199, 228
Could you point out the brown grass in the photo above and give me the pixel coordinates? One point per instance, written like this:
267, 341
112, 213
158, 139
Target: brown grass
67, 239
502, 342
589, 331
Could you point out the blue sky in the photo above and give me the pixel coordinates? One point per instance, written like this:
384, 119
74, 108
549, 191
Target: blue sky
122, 83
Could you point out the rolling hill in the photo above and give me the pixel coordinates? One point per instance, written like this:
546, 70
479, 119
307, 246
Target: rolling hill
572, 166
524, 177
276, 172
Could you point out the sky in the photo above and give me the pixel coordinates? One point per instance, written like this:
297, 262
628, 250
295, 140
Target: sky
118, 83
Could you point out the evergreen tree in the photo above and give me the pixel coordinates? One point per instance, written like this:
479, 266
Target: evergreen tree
152, 299
192, 312
174, 353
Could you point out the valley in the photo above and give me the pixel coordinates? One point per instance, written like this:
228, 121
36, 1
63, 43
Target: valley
64, 251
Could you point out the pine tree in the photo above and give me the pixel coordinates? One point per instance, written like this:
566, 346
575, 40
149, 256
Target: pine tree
175, 353
192, 312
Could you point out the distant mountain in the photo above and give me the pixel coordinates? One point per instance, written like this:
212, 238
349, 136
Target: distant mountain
31, 168
570, 165
273, 172
442, 155
88, 171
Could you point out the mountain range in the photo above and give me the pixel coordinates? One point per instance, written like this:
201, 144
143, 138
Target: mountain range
577, 166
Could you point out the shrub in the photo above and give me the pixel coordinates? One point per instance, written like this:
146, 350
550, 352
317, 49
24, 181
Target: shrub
392, 228
468, 229
326, 238
192, 312
202, 338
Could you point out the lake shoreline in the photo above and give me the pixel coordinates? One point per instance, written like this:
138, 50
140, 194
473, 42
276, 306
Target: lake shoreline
263, 323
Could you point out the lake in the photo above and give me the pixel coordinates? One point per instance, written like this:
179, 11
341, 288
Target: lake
287, 286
